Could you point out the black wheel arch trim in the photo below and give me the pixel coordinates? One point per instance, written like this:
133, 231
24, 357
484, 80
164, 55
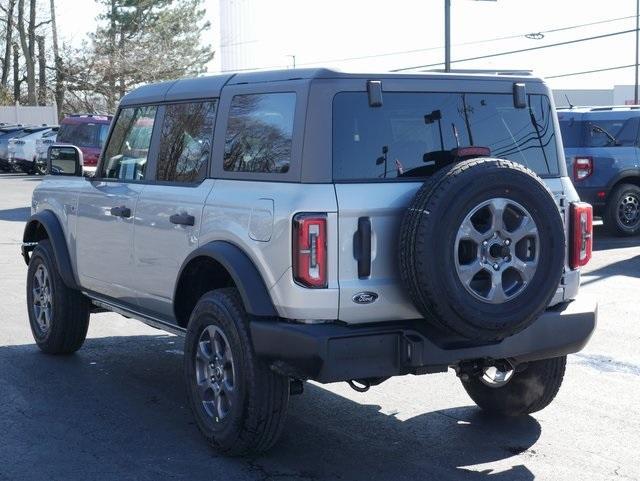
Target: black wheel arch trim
621, 176
245, 275
49, 221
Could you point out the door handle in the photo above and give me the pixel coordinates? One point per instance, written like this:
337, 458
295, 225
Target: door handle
182, 219
362, 247
121, 211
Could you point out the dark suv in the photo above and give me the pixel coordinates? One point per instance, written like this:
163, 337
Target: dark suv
87, 132
601, 149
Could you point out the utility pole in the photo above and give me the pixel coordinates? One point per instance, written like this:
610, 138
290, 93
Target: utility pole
447, 35
447, 32
635, 94
293, 57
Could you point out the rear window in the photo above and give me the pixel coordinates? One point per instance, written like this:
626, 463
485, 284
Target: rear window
83, 135
412, 134
599, 133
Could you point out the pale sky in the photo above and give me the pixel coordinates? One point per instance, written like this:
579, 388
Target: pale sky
321, 32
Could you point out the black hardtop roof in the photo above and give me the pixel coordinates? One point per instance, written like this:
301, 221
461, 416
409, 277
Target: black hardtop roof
210, 86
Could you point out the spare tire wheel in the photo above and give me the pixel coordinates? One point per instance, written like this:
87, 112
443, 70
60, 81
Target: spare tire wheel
482, 249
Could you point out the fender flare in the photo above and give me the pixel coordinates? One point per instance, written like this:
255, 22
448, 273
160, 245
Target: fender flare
620, 176
245, 275
48, 220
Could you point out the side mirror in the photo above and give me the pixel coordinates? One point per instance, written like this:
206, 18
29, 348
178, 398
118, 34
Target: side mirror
64, 160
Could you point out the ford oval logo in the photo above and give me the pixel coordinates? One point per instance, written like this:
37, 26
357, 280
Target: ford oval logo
365, 297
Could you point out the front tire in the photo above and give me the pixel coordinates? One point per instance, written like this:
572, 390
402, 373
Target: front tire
622, 214
523, 392
239, 404
58, 315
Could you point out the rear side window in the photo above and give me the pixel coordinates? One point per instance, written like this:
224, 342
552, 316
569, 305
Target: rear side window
412, 134
259, 133
81, 135
128, 148
185, 147
599, 132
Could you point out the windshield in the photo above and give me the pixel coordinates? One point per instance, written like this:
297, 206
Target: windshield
83, 135
599, 133
413, 134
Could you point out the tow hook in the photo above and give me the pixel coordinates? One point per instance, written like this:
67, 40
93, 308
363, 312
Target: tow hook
363, 385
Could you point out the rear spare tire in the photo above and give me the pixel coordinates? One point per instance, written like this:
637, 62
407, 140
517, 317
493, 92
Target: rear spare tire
482, 249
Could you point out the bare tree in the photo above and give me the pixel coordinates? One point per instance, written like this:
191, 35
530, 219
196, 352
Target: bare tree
42, 71
6, 60
27, 41
57, 58
16, 74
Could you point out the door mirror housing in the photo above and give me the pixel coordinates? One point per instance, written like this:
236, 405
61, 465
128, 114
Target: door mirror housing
64, 160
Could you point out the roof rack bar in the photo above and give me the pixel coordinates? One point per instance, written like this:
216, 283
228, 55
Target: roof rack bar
485, 71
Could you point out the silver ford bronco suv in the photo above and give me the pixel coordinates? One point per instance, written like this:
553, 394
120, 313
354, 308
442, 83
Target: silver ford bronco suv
316, 225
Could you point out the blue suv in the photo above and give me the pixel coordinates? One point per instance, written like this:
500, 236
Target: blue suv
601, 147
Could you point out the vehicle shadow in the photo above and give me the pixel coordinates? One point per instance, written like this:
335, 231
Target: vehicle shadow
18, 214
118, 408
602, 240
629, 267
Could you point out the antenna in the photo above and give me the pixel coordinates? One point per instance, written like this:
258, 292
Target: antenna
568, 101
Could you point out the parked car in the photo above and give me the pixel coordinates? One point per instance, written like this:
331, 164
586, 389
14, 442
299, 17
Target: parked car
317, 225
22, 148
7, 132
601, 146
88, 132
42, 148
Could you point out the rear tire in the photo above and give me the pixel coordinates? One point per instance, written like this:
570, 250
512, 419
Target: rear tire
239, 404
58, 315
525, 392
622, 213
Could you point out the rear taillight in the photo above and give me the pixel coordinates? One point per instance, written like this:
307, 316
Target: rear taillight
581, 234
310, 250
582, 167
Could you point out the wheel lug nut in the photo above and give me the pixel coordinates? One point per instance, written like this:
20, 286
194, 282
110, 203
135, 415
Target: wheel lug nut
507, 242
496, 266
484, 243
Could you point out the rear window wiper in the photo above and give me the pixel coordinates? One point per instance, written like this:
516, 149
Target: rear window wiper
597, 128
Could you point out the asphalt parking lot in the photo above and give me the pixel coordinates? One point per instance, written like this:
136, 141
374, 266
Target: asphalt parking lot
117, 410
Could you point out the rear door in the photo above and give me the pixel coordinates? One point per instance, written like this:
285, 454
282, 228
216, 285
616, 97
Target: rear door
383, 153
107, 209
169, 212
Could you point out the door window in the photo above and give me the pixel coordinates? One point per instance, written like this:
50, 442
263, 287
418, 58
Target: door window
187, 134
128, 149
259, 133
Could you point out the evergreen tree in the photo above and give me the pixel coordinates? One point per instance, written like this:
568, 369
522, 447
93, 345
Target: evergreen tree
142, 41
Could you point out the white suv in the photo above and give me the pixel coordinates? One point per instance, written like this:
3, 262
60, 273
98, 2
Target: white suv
311, 224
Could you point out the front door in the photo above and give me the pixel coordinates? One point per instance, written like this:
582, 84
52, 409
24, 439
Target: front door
107, 210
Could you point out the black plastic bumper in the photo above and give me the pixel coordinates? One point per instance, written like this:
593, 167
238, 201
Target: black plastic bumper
21, 164
337, 352
590, 195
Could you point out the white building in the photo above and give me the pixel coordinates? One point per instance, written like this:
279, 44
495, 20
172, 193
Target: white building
618, 95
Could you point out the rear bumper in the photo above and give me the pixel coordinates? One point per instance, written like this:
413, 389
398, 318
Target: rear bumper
22, 164
590, 195
336, 352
